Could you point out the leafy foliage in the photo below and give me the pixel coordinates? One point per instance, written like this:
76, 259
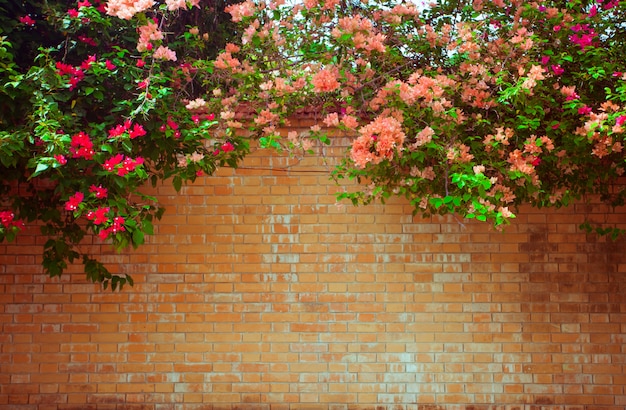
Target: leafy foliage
465, 107
87, 118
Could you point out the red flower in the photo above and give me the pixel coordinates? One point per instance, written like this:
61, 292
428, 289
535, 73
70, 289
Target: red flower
109, 65
64, 69
74, 201
228, 147
72, 13
99, 191
140, 63
27, 20
112, 162
81, 146
117, 131
60, 159
7, 219
172, 124
82, 4
87, 40
584, 110
98, 216
137, 131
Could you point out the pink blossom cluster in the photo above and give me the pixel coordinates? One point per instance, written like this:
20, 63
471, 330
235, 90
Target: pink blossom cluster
241, 10
164, 53
325, 80
362, 33
173, 5
378, 141
226, 60
126, 9
147, 34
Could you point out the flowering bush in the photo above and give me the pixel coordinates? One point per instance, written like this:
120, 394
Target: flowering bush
94, 105
470, 107
466, 107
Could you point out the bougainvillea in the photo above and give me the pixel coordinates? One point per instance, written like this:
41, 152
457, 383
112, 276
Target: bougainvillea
465, 107
94, 104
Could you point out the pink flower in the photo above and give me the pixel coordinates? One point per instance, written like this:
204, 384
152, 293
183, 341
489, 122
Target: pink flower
109, 65
378, 141
241, 10
164, 53
73, 13
140, 63
557, 69
324, 80
620, 120
584, 110
126, 9
27, 20
74, 201
593, 11
84, 3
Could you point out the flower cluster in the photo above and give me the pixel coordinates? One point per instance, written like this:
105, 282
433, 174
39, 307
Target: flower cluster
472, 118
8, 221
455, 113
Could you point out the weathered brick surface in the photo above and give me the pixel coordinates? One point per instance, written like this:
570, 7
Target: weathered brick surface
258, 292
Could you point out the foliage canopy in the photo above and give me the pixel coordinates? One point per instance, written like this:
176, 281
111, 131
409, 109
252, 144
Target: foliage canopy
465, 107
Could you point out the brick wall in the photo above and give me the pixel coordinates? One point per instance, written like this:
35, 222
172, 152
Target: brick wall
258, 292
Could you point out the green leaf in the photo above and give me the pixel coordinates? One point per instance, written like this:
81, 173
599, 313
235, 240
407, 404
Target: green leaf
177, 182
436, 202
148, 227
138, 237
41, 167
